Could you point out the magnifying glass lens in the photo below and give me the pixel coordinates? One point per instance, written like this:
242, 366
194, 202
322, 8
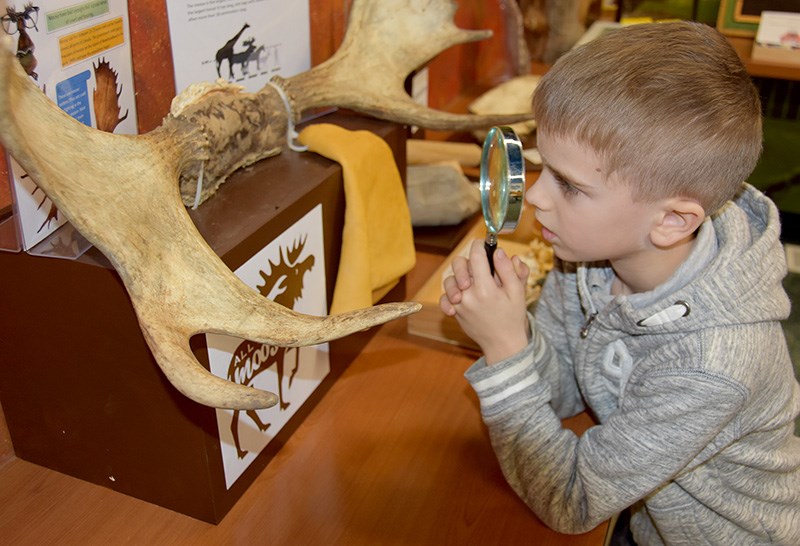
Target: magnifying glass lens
496, 191
502, 185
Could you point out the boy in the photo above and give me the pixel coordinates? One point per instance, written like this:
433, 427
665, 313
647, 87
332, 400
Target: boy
662, 317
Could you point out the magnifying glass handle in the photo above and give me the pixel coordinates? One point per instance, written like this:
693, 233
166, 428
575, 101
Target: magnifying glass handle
490, 245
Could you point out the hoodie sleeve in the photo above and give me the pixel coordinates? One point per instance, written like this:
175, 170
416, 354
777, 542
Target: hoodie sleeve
669, 422
552, 357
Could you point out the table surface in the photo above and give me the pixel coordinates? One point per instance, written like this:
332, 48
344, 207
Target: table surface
763, 69
395, 453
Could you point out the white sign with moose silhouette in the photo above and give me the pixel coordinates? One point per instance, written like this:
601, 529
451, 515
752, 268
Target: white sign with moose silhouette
290, 271
244, 42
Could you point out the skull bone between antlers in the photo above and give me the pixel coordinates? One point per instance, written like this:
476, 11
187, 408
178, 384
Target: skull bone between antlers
124, 193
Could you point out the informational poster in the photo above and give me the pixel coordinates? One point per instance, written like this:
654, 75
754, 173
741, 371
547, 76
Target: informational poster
79, 54
246, 42
290, 271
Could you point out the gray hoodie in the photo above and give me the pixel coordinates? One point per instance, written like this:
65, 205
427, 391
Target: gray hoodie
692, 385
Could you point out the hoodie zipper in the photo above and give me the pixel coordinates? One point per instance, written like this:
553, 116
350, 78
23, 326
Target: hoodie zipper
583, 289
587, 325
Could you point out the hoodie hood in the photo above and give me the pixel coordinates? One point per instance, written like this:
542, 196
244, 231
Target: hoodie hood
733, 276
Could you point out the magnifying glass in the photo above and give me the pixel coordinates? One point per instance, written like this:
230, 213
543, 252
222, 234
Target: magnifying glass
502, 185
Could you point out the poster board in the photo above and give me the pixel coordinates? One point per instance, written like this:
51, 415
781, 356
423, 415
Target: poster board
246, 43
74, 52
741, 17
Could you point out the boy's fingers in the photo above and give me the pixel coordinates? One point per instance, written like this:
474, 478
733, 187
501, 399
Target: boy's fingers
461, 272
479, 263
522, 269
451, 290
446, 307
506, 270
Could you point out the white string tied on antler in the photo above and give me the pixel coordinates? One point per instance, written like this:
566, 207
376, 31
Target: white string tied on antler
291, 134
199, 189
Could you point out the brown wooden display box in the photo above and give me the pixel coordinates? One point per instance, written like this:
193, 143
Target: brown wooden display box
81, 391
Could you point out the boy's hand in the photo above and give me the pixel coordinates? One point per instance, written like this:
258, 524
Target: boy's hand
455, 284
491, 310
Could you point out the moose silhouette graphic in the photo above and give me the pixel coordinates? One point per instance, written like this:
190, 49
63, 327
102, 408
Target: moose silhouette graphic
243, 58
251, 359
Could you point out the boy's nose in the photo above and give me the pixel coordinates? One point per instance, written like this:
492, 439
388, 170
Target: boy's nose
534, 195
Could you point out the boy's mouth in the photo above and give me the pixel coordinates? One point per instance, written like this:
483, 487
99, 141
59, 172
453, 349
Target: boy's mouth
548, 235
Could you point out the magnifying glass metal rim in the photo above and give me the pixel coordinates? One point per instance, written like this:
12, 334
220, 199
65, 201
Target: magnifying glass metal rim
508, 143
503, 140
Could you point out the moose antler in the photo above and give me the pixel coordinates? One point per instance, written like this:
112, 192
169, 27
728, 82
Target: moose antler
384, 42
122, 192
122, 196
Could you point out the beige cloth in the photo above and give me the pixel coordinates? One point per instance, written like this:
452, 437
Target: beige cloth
377, 239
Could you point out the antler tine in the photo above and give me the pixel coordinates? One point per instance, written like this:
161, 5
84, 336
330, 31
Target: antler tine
171, 350
121, 193
176, 360
385, 41
168, 328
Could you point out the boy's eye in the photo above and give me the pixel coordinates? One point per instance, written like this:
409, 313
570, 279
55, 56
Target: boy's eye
566, 188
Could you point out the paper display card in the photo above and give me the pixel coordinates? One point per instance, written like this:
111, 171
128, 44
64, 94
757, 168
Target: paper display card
73, 51
778, 38
290, 271
244, 42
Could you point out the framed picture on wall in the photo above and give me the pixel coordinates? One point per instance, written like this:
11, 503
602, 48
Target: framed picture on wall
741, 17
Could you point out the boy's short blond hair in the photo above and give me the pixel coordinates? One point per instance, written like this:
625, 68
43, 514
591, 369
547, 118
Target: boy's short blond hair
668, 107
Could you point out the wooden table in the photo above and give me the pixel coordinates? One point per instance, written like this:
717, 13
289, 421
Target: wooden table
395, 453
763, 69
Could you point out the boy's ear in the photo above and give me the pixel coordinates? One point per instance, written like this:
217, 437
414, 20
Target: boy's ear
678, 218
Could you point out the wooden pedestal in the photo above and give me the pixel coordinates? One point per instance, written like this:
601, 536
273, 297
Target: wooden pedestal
80, 390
